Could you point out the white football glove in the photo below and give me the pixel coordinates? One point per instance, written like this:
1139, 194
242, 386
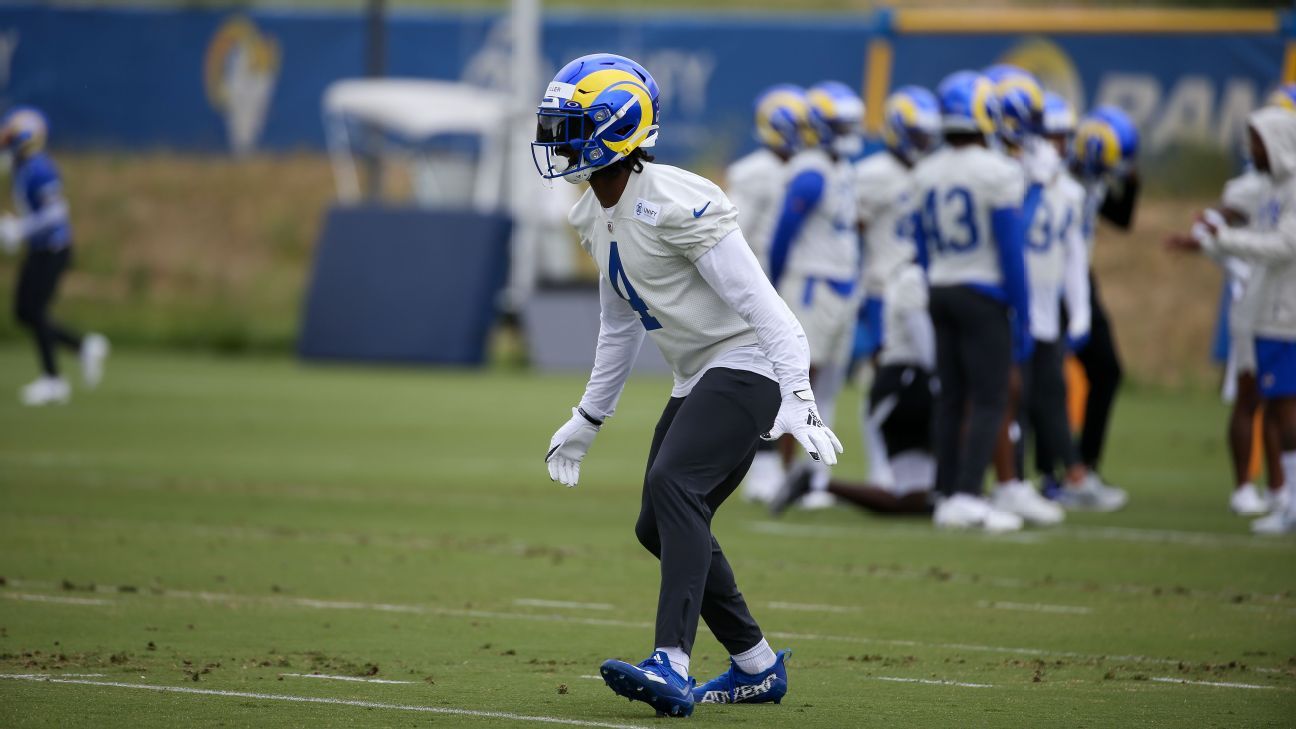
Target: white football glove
797, 416
568, 447
10, 234
1041, 161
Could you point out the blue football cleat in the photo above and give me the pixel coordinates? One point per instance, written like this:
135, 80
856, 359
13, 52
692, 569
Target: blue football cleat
652, 682
735, 687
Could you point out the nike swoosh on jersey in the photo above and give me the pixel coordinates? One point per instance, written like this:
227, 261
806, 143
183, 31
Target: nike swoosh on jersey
698, 213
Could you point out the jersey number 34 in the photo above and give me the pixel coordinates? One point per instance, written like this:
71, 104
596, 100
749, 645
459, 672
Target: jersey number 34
621, 285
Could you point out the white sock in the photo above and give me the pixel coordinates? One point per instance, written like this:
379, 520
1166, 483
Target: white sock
1004, 484
679, 661
1289, 478
757, 659
819, 476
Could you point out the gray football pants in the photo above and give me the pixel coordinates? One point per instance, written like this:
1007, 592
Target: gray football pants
701, 450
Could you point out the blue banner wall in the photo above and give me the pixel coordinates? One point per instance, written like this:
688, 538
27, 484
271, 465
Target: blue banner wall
212, 81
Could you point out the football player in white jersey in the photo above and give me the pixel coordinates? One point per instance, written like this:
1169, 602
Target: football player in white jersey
755, 186
814, 252
1241, 205
674, 263
896, 417
1269, 242
969, 235
1057, 263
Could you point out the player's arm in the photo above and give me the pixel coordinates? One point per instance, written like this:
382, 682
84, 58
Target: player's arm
731, 269
1118, 204
1075, 280
1009, 227
49, 209
620, 336
1274, 246
803, 193
910, 299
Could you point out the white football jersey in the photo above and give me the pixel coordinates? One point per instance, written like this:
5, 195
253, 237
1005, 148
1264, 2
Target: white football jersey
828, 243
1054, 233
956, 189
646, 246
755, 185
884, 191
906, 293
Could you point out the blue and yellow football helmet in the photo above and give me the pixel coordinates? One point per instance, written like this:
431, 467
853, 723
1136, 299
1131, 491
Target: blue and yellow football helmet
1284, 96
23, 131
1021, 102
1059, 116
598, 109
1106, 142
836, 117
782, 118
911, 122
968, 103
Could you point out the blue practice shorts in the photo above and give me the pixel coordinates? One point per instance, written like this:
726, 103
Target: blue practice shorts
1276, 367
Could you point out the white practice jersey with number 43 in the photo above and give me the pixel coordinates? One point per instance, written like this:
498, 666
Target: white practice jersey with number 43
646, 246
956, 190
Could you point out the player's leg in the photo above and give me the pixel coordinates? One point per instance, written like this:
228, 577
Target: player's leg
1246, 499
1103, 370
37, 281
1276, 372
1036, 376
947, 421
1271, 431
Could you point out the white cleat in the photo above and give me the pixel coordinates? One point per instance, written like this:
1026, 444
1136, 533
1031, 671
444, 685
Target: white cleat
46, 391
1021, 498
764, 478
1092, 494
964, 511
1280, 522
1247, 500
94, 352
816, 500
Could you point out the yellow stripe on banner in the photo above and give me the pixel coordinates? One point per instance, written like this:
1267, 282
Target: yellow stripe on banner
878, 83
1289, 63
1079, 20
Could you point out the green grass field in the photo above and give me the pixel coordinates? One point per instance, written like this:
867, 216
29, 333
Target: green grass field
223, 528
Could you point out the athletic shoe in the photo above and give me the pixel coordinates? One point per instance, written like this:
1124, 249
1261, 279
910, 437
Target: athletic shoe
1281, 521
795, 487
764, 477
1092, 494
653, 682
1021, 498
46, 391
816, 500
94, 350
736, 687
965, 511
1247, 500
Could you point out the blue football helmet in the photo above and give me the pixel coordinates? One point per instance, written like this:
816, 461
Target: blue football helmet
1021, 102
1106, 142
836, 117
1059, 116
23, 131
598, 109
782, 118
911, 122
968, 103
1284, 96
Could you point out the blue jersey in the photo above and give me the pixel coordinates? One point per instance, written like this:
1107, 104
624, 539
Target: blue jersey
38, 200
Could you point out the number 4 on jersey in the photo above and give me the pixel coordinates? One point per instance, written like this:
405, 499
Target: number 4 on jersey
621, 285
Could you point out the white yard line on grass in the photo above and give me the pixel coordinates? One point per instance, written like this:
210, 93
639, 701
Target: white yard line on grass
280, 600
1035, 607
1219, 684
810, 607
932, 682
59, 599
1083, 534
334, 702
561, 604
357, 679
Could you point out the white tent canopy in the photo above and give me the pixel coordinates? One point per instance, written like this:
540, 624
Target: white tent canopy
417, 110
